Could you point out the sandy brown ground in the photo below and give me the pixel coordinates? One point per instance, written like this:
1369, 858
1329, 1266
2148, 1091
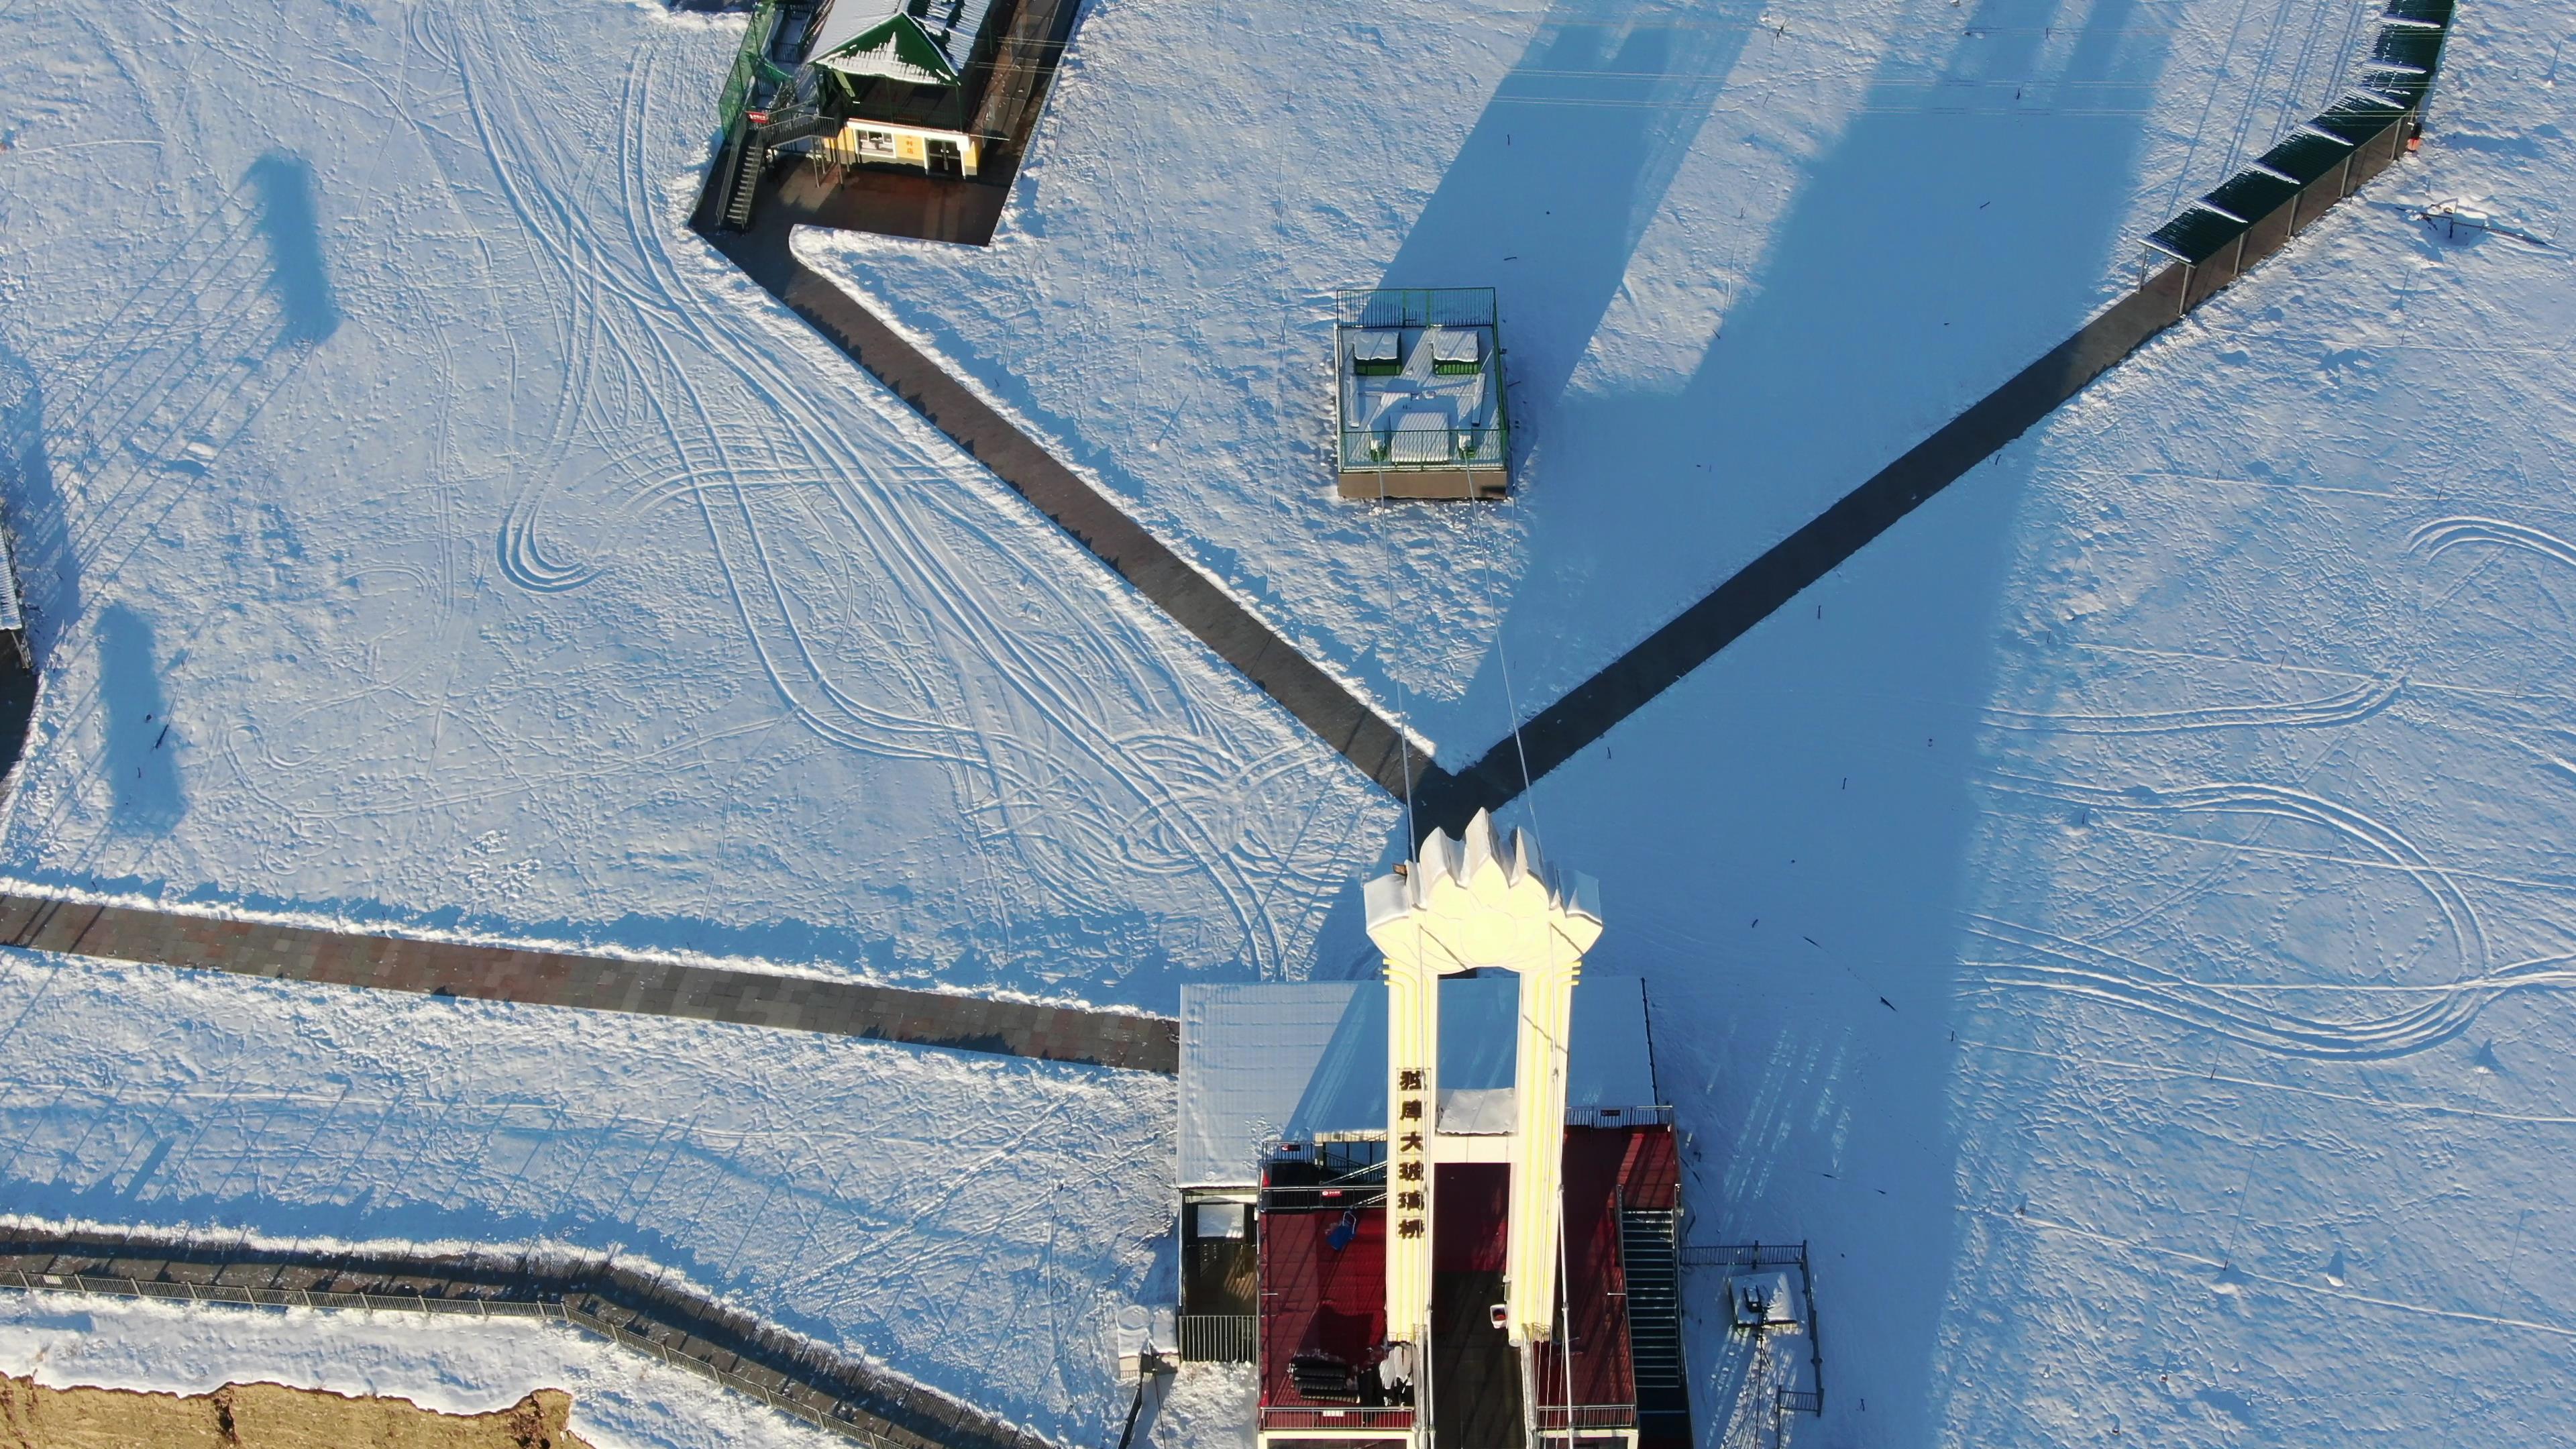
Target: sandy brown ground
266, 1416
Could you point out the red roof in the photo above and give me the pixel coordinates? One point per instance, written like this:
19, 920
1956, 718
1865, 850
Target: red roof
1317, 1299
1605, 1169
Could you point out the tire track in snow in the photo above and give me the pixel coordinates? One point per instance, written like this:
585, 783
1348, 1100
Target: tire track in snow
2248, 1013
725, 464
2246, 798
2244, 1014
2360, 702
2444, 534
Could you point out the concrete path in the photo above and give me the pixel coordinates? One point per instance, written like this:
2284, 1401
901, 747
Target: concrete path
596, 983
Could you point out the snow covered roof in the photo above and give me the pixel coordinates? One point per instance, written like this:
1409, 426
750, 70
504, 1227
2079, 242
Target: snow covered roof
1296, 1060
927, 42
1264, 1062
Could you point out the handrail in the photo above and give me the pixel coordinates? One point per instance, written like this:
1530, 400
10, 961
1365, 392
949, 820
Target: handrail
1351, 1418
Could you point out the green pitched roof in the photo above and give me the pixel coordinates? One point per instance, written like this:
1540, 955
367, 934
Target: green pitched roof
897, 46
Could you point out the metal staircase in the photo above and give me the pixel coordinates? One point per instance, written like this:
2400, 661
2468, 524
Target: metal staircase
744, 157
1647, 1255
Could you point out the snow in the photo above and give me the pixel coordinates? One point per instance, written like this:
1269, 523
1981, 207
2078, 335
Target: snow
2119, 919
620, 1400
426, 530
2127, 925
1743, 257
973, 1222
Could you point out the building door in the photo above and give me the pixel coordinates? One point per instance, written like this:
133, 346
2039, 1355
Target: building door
946, 159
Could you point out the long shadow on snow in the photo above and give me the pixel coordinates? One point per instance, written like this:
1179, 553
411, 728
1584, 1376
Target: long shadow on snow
1953, 246
1570, 160
142, 752
48, 571
1782, 837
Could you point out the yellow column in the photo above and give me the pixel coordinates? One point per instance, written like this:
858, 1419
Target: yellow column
1464, 905
1538, 1148
1412, 1101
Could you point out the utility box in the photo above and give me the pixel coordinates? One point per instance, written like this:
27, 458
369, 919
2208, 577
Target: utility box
1418, 386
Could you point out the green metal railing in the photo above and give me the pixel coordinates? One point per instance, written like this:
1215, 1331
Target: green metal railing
751, 64
1378, 445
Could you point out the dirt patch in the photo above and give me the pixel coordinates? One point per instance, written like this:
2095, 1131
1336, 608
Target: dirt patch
267, 1416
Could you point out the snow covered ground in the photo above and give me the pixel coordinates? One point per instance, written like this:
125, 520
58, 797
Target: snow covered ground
428, 529
970, 1221
2124, 917
2120, 919
1744, 257
458, 1366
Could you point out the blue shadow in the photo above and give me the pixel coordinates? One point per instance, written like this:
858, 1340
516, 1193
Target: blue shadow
48, 570
283, 185
142, 760
1571, 158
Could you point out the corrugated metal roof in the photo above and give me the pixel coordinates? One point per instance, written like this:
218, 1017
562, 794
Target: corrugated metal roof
2196, 235
2252, 195
927, 42
2305, 155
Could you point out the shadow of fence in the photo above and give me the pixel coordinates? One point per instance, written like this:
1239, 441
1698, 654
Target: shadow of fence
2215, 241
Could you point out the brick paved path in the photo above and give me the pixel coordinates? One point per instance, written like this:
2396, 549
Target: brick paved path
555, 978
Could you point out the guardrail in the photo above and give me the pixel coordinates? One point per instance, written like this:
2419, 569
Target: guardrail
1219, 1337
114, 1287
837, 1417
1336, 1419
1810, 1400
1619, 1116
1587, 1416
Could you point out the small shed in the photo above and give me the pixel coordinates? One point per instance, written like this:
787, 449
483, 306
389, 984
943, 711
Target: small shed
905, 76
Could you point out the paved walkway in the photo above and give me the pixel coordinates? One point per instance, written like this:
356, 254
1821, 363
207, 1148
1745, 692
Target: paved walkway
1595, 707
1174, 585
596, 983
792, 1374
967, 212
